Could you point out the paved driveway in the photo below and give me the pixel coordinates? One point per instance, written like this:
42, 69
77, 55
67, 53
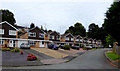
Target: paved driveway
89, 60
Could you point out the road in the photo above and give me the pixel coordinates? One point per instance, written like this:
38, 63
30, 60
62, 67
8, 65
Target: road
94, 59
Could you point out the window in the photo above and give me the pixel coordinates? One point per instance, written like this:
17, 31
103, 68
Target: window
32, 34
51, 37
42, 42
1, 31
41, 35
33, 43
67, 38
1, 42
57, 37
72, 39
77, 39
12, 32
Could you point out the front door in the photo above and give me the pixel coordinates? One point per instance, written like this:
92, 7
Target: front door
12, 43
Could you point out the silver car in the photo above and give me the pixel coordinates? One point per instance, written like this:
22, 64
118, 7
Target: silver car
88, 46
25, 46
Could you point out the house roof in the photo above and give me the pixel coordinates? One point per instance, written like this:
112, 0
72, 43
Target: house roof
9, 25
54, 32
38, 28
64, 35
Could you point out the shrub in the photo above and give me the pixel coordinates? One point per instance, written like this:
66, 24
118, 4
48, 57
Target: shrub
15, 50
31, 57
84, 48
66, 47
5, 49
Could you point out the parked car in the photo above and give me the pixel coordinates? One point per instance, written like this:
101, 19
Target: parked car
76, 46
88, 46
61, 46
53, 46
25, 46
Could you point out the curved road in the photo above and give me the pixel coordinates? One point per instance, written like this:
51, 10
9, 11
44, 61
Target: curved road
94, 59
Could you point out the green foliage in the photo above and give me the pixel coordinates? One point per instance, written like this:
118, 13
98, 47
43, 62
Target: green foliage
7, 16
113, 56
112, 21
109, 40
84, 48
66, 47
15, 50
5, 49
32, 25
77, 29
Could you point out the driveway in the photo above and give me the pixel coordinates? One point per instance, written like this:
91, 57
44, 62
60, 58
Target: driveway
94, 59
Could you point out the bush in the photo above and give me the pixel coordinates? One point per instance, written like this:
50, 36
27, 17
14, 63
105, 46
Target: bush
66, 47
15, 50
84, 48
5, 49
31, 57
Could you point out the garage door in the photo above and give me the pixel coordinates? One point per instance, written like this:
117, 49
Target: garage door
21, 41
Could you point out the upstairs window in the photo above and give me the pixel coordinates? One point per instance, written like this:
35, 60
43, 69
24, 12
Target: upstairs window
51, 37
1, 31
67, 38
57, 37
41, 35
32, 34
72, 39
77, 39
12, 32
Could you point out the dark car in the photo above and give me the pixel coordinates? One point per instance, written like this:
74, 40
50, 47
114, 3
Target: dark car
61, 46
53, 46
25, 46
76, 46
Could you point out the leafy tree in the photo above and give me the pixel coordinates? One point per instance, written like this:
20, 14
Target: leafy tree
41, 27
32, 25
93, 31
49, 31
112, 21
77, 29
109, 40
7, 16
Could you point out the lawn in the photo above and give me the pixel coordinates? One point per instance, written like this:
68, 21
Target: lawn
113, 56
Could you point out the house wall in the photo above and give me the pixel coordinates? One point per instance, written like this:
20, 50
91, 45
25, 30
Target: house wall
62, 39
24, 36
37, 44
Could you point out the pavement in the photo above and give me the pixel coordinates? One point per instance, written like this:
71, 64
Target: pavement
89, 60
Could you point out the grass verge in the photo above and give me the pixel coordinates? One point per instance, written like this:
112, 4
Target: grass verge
113, 56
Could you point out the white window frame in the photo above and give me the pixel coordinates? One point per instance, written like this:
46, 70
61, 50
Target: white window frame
67, 38
1, 31
32, 33
41, 34
32, 43
72, 39
12, 32
1, 42
77, 39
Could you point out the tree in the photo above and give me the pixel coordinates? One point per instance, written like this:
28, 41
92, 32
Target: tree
41, 27
32, 25
112, 21
93, 31
7, 16
77, 29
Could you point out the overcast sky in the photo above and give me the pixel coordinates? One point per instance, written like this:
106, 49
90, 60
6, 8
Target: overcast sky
58, 15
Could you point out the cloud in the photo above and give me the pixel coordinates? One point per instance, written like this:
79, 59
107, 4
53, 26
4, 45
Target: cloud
41, 1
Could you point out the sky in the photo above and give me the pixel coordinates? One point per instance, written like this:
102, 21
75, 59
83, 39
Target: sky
57, 15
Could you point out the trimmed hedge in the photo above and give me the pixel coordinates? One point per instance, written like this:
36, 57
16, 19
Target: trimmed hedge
15, 50
5, 49
66, 47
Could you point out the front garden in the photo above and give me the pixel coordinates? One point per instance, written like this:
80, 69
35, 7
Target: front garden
113, 56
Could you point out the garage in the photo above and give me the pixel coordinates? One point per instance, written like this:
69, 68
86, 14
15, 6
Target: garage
21, 41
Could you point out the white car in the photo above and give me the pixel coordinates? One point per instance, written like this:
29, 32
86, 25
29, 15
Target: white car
88, 46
